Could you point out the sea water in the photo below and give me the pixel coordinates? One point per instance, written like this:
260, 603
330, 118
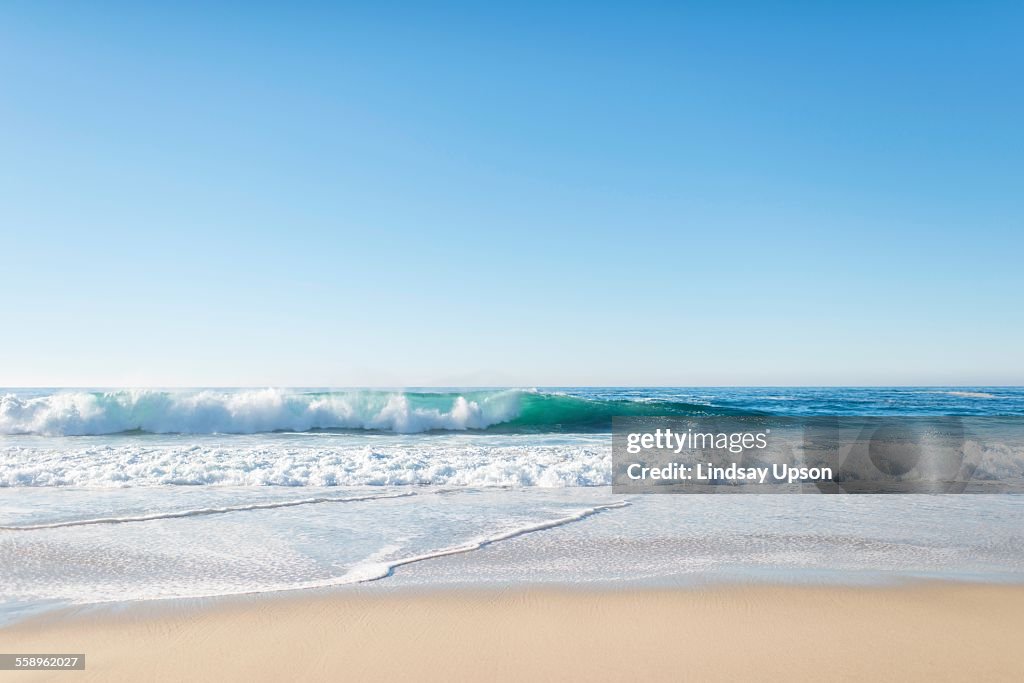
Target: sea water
134, 495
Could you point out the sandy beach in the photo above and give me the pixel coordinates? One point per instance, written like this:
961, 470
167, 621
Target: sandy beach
933, 631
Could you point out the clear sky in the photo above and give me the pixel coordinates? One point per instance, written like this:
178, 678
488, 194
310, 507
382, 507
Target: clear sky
547, 193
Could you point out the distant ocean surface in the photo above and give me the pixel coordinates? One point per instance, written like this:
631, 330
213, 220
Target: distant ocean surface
109, 496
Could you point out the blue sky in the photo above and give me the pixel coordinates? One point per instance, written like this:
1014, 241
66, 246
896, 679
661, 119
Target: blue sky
402, 194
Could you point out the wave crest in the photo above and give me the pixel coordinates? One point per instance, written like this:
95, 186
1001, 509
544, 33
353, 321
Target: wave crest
249, 412
78, 413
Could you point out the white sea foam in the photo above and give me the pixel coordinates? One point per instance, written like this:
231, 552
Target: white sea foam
248, 412
378, 570
520, 463
263, 559
350, 461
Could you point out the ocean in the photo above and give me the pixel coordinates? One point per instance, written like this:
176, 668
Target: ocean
112, 496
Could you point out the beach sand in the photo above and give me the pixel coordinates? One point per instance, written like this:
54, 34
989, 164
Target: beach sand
932, 631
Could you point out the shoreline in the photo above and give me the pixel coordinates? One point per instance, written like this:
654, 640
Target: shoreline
934, 630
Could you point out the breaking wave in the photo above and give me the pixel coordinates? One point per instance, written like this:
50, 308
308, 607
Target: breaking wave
275, 410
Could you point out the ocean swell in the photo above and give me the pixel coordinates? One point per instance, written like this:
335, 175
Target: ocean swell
273, 410
248, 412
